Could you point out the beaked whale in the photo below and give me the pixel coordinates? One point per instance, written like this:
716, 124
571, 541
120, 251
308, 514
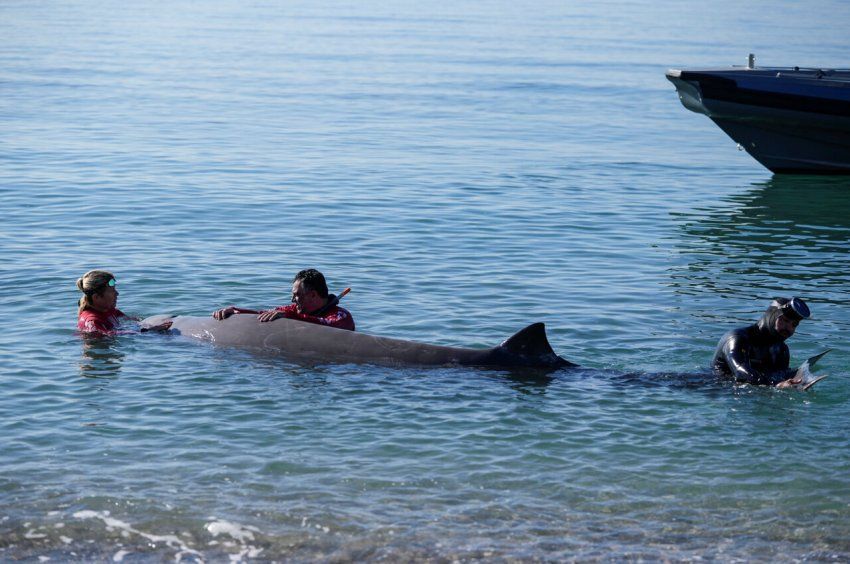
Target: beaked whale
299, 340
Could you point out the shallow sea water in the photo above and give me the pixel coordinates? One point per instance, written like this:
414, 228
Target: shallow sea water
467, 169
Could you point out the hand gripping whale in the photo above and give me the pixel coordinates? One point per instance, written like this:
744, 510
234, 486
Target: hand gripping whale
299, 340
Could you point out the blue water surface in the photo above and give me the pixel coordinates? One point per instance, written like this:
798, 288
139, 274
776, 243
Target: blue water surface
467, 169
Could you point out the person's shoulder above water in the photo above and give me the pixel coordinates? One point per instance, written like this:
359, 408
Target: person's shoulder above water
333, 316
90, 321
339, 317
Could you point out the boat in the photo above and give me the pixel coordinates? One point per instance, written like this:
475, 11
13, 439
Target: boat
791, 120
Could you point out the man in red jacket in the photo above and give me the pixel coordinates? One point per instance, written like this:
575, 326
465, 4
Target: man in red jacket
310, 302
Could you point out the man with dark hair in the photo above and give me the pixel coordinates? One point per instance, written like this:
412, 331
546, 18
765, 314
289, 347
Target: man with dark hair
757, 354
310, 302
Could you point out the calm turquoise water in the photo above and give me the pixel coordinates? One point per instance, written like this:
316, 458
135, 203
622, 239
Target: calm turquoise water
466, 168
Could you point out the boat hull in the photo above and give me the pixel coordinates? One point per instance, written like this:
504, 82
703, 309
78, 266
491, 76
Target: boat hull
790, 121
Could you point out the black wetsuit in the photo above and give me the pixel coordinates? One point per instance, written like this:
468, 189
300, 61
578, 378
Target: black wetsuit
756, 354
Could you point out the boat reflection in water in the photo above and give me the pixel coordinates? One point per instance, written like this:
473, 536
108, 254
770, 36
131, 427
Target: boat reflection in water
786, 235
789, 223
791, 120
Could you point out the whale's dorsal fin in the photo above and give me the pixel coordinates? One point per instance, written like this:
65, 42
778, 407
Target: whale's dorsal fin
531, 344
531, 341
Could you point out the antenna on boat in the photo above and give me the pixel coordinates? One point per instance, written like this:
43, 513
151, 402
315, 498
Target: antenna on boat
751, 61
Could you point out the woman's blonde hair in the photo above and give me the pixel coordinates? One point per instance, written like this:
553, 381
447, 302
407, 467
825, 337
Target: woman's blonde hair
90, 283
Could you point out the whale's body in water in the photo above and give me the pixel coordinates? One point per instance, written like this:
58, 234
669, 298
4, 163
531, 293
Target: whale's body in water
301, 341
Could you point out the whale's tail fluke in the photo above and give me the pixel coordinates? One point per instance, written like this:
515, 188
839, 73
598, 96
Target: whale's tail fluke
530, 347
803, 378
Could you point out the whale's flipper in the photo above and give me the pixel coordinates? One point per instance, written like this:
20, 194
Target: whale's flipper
803, 378
531, 344
812, 382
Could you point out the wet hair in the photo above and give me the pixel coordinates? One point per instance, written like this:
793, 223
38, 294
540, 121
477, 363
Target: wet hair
313, 280
90, 283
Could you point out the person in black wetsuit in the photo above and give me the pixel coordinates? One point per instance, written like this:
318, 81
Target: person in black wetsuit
757, 354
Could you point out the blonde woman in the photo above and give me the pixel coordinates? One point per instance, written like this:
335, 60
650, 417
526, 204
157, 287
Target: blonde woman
97, 308
98, 312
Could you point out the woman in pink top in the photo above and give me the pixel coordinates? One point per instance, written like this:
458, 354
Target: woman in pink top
97, 308
97, 311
